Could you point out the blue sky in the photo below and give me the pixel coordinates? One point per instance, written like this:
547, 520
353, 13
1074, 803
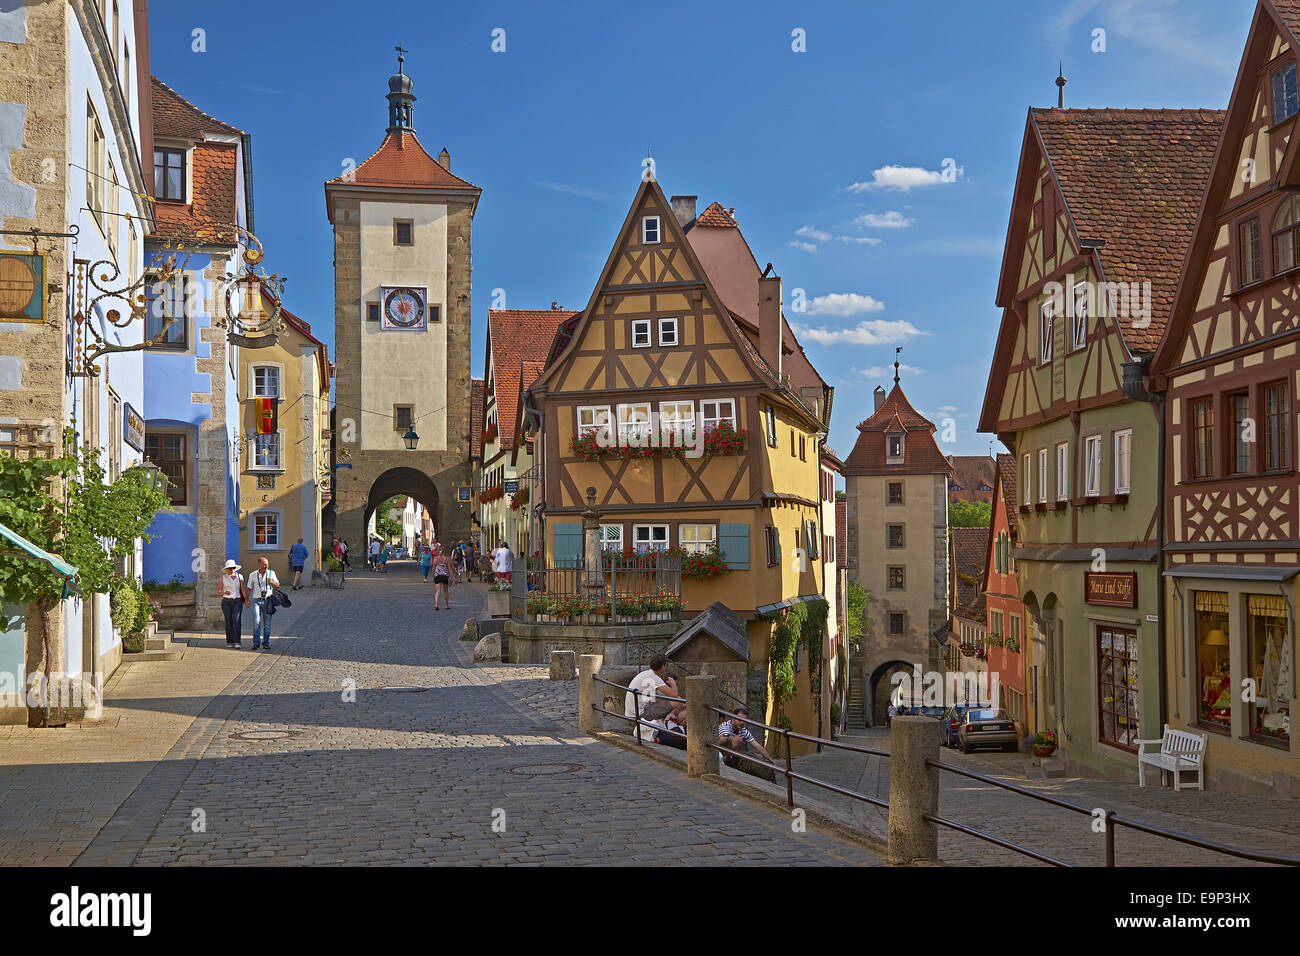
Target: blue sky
832, 157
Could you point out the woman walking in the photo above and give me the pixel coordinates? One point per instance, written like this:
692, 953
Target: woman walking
234, 598
426, 560
441, 577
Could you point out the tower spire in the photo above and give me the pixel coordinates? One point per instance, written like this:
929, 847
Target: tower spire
897, 351
400, 98
1060, 84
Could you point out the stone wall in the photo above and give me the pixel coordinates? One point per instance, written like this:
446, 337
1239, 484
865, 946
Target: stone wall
621, 645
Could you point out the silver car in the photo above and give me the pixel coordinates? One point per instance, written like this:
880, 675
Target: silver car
987, 727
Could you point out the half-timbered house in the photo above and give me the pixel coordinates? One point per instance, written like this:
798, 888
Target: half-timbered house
680, 412
1229, 369
1102, 212
1006, 615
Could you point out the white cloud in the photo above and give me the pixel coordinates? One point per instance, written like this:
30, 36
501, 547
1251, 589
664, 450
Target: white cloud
843, 303
867, 332
903, 178
886, 371
805, 246
1163, 26
947, 409
573, 190
810, 232
890, 220
866, 240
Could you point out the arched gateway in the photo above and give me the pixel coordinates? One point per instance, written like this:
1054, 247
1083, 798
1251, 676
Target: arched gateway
402, 328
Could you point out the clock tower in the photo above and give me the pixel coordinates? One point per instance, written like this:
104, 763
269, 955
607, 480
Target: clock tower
402, 224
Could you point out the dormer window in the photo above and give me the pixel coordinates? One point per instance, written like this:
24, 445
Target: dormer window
1286, 102
894, 449
650, 230
169, 174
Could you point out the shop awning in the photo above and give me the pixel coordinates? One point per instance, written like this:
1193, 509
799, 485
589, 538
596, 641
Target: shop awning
788, 602
65, 569
1234, 572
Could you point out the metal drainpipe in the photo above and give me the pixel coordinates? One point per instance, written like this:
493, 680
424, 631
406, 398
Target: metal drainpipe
1134, 389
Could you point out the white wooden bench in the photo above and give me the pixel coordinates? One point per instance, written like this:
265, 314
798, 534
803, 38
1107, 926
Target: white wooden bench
1180, 752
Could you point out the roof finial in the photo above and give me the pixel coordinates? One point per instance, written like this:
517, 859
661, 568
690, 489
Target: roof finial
400, 98
1060, 85
897, 351
400, 58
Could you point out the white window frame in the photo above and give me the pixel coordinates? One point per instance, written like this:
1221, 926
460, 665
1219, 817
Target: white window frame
1079, 321
1092, 466
609, 540
1062, 471
279, 453
1123, 445
594, 414
708, 421
1042, 475
650, 543
253, 389
641, 327
1026, 478
890, 457
645, 230
275, 513
769, 422
1046, 331
668, 325
634, 420
695, 542
671, 420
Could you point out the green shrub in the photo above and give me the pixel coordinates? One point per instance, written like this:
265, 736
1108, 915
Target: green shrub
124, 601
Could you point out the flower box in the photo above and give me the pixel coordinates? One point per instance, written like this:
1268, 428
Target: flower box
498, 603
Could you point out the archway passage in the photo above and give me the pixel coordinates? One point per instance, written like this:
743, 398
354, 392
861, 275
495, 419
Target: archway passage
408, 482
882, 687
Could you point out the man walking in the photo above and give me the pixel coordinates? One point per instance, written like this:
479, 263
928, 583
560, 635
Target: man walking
260, 585
374, 554
503, 562
297, 561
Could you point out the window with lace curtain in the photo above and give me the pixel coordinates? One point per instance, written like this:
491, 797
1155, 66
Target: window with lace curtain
1269, 657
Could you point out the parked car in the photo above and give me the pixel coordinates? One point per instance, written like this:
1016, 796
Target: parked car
987, 727
951, 722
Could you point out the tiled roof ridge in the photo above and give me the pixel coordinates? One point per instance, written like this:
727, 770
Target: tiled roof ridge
205, 115
352, 177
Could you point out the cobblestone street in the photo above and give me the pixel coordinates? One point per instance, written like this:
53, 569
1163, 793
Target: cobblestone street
267, 753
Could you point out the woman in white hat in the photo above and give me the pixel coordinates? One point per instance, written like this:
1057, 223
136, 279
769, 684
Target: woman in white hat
234, 598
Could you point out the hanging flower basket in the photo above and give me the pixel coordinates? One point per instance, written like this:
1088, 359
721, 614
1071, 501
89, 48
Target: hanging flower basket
491, 494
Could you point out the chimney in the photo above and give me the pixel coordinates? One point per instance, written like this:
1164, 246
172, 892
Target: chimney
769, 320
444, 159
880, 397
684, 209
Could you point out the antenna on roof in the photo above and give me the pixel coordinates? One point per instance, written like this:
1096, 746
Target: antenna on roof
768, 271
1060, 85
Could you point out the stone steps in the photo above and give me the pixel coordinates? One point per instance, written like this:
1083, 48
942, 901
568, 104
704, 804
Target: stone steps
158, 648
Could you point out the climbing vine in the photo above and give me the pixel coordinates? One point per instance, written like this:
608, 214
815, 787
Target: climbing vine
802, 624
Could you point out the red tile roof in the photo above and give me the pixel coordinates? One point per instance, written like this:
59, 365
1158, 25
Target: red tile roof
921, 454
174, 115
969, 548
402, 163
970, 473
1007, 473
1133, 179
518, 336
212, 196
477, 391
715, 215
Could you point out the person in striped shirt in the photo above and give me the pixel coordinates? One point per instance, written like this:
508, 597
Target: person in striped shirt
734, 735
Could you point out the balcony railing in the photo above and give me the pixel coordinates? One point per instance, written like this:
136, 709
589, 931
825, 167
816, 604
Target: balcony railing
645, 587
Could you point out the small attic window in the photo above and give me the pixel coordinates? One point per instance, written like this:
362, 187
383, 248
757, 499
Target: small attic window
650, 230
1286, 100
894, 449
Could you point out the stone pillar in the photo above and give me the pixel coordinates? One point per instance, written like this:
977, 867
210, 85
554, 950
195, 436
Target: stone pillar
593, 575
590, 694
701, 725
561, 665
913, 789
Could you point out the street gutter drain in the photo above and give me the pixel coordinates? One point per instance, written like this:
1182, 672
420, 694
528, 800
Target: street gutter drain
545, 769
265, 734
407, 690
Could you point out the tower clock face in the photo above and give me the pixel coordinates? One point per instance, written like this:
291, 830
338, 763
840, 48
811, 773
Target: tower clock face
404, 308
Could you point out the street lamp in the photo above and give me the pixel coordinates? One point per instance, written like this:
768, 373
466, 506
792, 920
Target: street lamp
411, 438
153, 476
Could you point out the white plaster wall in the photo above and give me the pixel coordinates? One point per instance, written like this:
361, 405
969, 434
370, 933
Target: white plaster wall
400, 367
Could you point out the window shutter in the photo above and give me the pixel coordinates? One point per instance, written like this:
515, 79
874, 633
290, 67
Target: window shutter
568, 542
733, 541
776, 546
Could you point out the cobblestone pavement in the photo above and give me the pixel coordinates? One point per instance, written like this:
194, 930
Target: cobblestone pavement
365, 736
1249, 822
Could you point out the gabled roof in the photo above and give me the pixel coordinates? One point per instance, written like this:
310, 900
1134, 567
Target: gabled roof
719, 622
402, 163
516, 336
477, 395
1006, 483
175, 116
970, 547
714, 215
971, 474
1133, 180
921, 454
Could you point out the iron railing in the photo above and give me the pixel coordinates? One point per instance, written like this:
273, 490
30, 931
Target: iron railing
644, 587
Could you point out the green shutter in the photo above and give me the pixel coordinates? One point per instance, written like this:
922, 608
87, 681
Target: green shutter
568, 542
733, 541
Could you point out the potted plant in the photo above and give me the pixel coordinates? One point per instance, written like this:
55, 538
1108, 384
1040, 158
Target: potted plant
499, 599
333, 572
629, 609
661, 606
1044, 743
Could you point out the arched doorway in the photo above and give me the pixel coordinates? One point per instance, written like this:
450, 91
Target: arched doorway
404, 481
882, 686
